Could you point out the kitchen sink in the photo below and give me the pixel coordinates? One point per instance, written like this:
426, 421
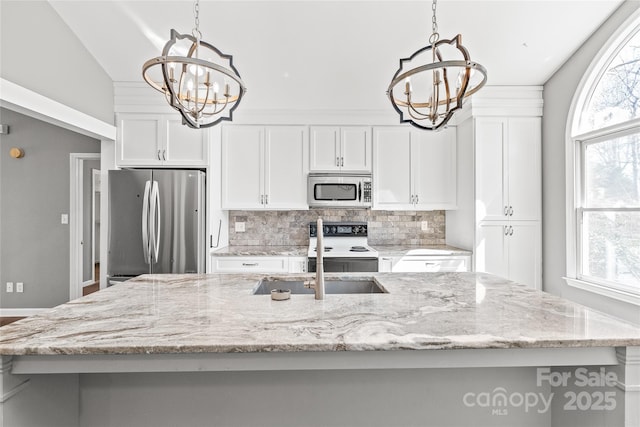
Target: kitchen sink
265, 286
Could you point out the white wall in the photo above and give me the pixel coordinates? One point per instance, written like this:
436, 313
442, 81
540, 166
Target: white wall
39, 52
558, 95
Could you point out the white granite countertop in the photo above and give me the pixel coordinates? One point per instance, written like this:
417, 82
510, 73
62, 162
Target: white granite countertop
261, 251
218, 313
383, 250
423, 250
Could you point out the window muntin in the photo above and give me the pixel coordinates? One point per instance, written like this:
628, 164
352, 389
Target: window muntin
615, 96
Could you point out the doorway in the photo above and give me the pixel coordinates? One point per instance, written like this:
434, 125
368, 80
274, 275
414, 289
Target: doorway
84, 223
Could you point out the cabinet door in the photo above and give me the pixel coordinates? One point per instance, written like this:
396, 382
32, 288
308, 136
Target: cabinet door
324, 149
524, 172
242, 167
491, 252
392, 168
434, 164
286, 157
491, 187
185, 146
355, 144
137, 143
524, 253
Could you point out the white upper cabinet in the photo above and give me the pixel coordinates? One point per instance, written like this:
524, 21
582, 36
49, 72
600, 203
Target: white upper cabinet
264, 167
508, 179
159, 140
413, 169
340, 148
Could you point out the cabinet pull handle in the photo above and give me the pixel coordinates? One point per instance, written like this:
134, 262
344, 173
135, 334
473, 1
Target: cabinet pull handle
249, 264
510, 210
341, 161
506, 211
266, 199
262, 199
506, 230
159, 158
164, 155
338, 161
510, 231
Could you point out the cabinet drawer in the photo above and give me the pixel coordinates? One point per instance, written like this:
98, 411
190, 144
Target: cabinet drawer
250, 264
419, 264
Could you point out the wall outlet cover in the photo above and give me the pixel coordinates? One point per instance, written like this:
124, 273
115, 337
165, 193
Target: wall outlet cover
425, 225
9, 286
19, 287
240, 227
64, 219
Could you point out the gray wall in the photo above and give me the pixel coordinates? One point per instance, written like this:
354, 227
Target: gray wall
34, 245
558, 95
39, 52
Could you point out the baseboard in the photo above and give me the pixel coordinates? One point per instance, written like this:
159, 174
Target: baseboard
20, 312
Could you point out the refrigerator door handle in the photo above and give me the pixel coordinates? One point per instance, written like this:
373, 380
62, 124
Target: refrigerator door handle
155, 221
145, 222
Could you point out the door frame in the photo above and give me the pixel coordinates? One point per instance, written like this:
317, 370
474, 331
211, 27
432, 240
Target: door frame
76, 221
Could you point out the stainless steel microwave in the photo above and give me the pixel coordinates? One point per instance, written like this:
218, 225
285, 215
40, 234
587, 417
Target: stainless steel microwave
326, 190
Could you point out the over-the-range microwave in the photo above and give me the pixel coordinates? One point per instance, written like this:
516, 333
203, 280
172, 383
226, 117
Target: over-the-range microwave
331, 190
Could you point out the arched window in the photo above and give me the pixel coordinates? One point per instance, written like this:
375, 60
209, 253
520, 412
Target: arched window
606, 148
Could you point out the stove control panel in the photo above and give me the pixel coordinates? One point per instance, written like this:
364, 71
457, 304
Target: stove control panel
337, 229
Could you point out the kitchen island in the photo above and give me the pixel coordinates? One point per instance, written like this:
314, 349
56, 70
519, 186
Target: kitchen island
437, 348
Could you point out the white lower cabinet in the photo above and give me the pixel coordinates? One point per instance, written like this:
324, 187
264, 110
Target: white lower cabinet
423, 264
258, 264
510, 250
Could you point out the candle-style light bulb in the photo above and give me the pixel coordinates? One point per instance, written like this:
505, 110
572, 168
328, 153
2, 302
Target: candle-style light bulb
407, 86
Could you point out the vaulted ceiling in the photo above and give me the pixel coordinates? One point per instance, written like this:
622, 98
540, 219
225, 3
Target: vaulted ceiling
328, 51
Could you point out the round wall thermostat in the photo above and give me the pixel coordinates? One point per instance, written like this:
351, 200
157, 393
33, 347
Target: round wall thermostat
16, 153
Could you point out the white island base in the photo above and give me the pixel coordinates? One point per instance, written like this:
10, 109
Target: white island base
492, 387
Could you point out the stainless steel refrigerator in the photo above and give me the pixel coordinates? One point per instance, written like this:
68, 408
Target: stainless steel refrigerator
156, 222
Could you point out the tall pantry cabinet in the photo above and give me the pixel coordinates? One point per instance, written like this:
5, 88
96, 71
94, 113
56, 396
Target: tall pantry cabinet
499, 196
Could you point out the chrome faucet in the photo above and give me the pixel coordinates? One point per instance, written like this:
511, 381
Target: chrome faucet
318, 283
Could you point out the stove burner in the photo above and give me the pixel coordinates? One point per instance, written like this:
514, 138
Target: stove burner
326, 249
358, 249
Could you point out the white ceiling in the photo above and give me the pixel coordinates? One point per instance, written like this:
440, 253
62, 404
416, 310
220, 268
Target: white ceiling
291, 52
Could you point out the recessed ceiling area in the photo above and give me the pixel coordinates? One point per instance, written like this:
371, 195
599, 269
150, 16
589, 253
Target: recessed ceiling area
337, 54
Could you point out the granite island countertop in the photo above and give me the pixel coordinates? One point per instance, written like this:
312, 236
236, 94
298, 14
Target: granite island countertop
167, 314
423, 250
260, 250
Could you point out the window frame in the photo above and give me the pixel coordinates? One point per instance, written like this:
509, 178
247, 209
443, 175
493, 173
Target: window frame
574, 161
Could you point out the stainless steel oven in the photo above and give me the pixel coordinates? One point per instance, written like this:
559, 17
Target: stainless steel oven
345, 248
339, 190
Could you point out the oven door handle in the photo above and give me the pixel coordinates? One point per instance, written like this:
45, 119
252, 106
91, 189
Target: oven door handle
359, 192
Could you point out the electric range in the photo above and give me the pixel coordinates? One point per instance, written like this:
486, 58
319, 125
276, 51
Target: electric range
345, 248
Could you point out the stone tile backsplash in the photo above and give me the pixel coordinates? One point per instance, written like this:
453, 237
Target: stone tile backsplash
290, 228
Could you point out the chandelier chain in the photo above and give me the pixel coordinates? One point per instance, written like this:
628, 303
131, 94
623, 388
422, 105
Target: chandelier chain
196, 12
434, 25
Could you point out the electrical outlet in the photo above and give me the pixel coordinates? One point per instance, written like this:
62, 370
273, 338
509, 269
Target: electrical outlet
64, 219
425, 225
19, 287
239, 227
9, 286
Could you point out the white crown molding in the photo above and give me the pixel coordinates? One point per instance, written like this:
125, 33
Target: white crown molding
136, 97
